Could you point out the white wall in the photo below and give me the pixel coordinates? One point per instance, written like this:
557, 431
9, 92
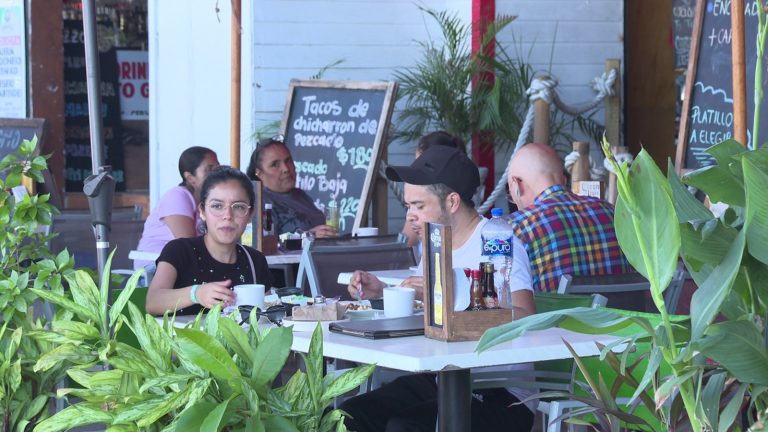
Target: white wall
285, 39
189, 45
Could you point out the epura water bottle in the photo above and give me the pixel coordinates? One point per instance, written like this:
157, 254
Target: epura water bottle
497, 237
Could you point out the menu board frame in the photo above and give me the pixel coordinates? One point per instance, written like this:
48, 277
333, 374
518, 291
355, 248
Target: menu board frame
705, 28
389, 91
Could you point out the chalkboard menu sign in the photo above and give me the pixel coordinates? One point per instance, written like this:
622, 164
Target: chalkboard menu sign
682, 28
14, 131
77, 141
334, 131
708, 106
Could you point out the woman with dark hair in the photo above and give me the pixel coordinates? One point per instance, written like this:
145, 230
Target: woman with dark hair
200, 272
293, 209
175, 215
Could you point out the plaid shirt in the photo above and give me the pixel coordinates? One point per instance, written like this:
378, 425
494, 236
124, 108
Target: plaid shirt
565, 233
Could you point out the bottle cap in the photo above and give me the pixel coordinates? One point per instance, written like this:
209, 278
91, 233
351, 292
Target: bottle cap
497, 211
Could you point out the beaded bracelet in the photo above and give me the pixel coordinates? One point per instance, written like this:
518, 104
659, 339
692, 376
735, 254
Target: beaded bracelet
192, 293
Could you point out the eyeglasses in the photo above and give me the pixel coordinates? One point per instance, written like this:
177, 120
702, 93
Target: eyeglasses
239, 209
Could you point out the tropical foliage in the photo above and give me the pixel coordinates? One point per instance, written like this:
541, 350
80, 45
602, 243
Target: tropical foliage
718, 355
209, 376
25, 263
464, 93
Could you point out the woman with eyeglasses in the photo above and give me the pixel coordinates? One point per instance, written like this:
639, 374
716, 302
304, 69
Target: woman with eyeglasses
199, 272
175, 216
293, 209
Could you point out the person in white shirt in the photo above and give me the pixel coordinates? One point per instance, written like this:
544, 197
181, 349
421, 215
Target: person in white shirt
439, 186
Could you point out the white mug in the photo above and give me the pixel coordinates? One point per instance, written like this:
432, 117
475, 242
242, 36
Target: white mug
367, 231
398, 301
249, 295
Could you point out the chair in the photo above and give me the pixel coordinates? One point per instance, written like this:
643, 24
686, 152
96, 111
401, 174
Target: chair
323, 259
79, 239
629, 291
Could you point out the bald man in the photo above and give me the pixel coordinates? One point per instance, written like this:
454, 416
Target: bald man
563, 233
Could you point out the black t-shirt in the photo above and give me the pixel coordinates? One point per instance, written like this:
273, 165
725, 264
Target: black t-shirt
293, 210
194, 265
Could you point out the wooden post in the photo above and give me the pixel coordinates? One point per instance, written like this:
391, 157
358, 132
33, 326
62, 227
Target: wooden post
613, 105
541, 120
580, 170
612, 191
234, 128
739, 73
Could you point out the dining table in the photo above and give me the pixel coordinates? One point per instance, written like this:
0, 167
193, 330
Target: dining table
452, 361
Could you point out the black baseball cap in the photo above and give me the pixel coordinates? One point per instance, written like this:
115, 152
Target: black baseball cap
440, 164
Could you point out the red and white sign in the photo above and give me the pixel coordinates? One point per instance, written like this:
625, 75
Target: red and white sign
133, 78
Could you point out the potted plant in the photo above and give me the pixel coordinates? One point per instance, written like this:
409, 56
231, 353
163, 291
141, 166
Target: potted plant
464, 93
25, 263
209, 376
718, 355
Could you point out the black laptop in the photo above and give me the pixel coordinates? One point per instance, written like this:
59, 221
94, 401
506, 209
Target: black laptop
381, 328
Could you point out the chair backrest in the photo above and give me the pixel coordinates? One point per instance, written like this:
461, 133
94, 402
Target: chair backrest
629, 291
79, 239
324, 259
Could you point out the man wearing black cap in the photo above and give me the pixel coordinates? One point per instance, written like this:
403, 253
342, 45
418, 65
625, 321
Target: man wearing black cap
439, 186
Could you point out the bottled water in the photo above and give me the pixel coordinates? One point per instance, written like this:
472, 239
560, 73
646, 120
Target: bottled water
497, 237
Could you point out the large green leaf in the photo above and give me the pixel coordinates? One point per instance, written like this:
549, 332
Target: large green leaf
212, 422
270, 355
583, 320
740, 348
82, 312
707, 299
85, 293
192, 417
719, 184
73, 416
125, 296
62, 353
347, 381
687, 207
756, 185
646, 224
710, 399
725, 152
236, 339
314, 364
207, 353
707, 247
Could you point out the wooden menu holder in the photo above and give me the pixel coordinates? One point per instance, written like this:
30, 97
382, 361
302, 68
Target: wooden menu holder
456, 325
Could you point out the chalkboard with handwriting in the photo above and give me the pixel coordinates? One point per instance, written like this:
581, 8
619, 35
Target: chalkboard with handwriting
14, 131
682, 29
77, 141
707, 117
335, 131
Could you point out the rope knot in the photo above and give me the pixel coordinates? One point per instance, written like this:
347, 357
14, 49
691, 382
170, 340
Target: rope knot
541, 88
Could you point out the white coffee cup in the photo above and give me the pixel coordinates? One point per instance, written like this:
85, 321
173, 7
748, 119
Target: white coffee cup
398, 301
249, 295
367, 231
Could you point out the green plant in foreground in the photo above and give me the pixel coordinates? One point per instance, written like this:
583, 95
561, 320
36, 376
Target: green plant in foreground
210, 376
718, 355
25, 262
